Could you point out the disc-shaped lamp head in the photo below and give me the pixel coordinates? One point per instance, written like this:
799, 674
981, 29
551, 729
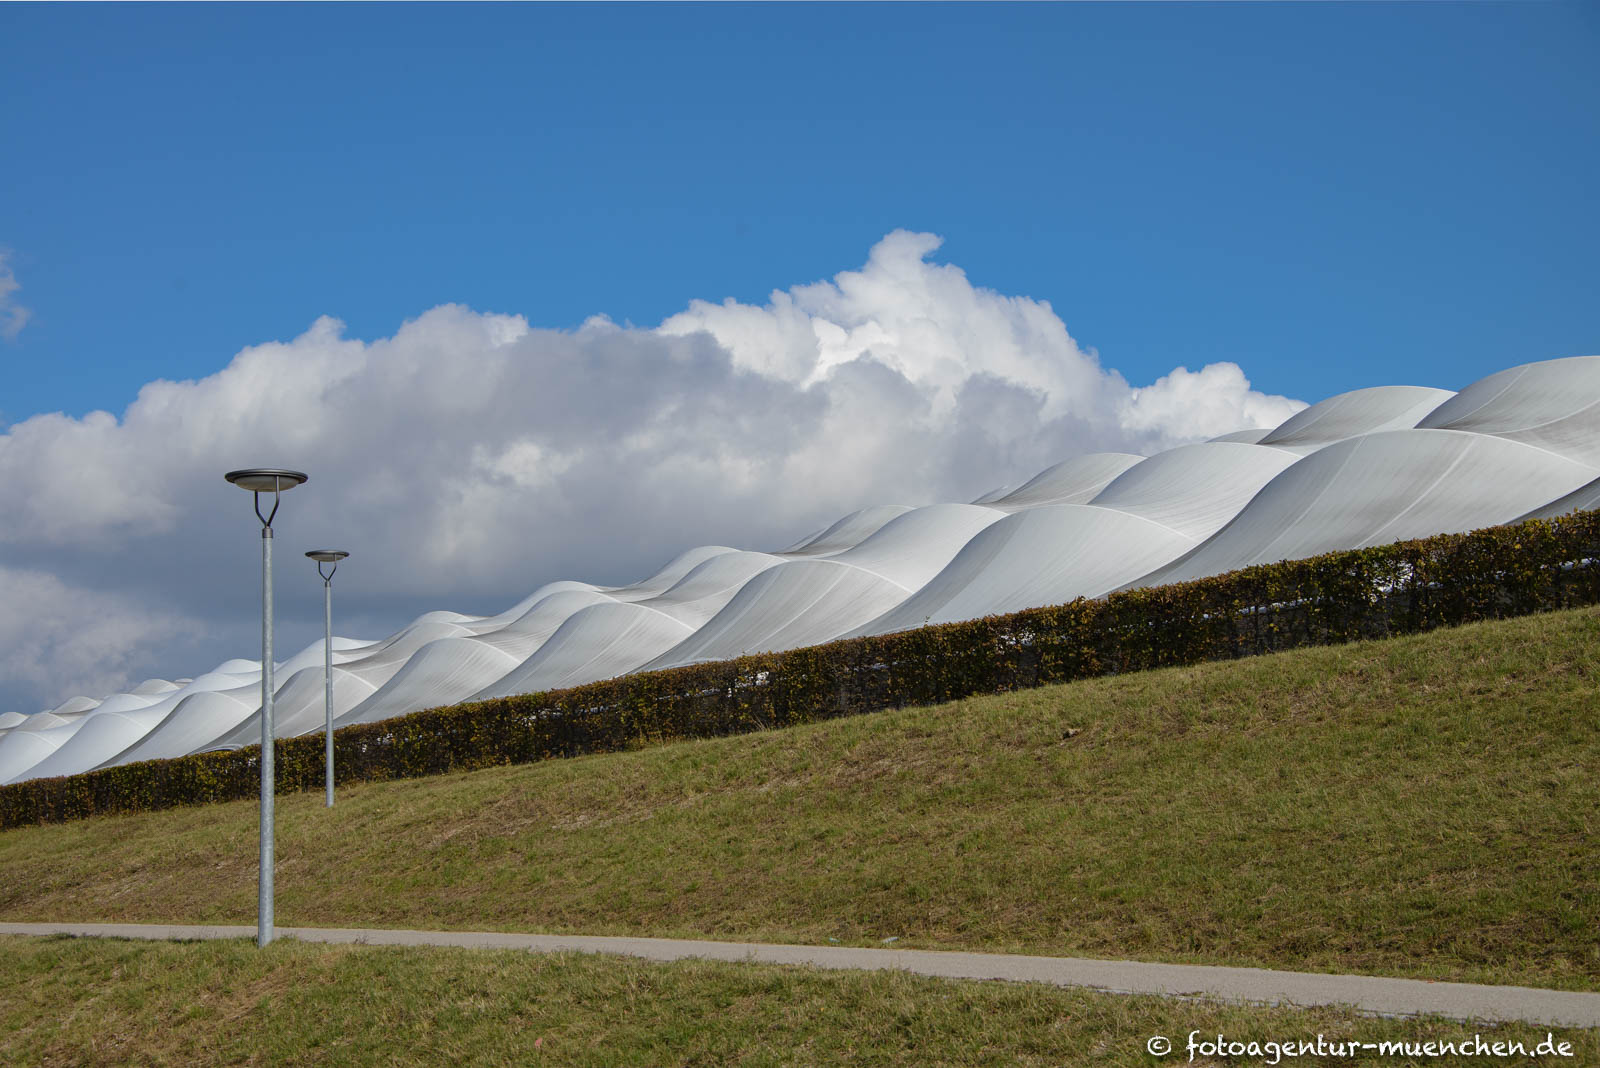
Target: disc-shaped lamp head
259, 480
266, 479
327, 556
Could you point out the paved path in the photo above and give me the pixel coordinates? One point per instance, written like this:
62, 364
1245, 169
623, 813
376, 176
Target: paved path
1390, 997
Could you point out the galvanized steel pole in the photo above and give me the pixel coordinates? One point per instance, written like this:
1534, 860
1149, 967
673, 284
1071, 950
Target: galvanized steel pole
268, 778
328, 556
327, 675
259, 480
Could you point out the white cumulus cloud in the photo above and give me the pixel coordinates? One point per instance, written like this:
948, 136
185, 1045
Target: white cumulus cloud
472, 456
71, 641
927, 323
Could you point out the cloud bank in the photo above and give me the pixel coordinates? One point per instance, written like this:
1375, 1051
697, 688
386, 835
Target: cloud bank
472, 456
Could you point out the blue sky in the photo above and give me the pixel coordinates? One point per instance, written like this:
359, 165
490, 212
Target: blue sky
1327, 196
1331, 196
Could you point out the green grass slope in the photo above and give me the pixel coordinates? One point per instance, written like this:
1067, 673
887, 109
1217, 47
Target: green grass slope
1425, 806
297, 1004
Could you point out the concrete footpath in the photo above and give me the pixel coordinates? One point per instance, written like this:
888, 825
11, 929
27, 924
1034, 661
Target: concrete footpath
1372, 994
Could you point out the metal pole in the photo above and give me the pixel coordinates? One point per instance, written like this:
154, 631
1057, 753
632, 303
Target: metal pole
327, 674
268, 779
256, 480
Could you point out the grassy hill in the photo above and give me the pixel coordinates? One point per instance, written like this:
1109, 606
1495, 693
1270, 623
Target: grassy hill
1425, 806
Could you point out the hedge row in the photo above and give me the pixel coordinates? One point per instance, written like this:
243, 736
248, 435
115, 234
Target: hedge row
1369, 593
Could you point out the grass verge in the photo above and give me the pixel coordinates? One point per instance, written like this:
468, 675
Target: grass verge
1424, 806
106, 1002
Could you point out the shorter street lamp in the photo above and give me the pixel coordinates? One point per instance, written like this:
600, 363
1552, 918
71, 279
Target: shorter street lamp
259, 480
328, 556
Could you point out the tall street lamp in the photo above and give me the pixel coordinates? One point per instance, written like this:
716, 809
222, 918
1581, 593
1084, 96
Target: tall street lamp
328, 556
259, 480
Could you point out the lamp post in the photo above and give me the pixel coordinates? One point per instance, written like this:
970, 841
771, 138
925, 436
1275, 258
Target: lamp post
259, 480
328, 556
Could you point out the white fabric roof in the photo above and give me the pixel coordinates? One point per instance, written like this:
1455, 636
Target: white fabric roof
1361, 411
1071, 481
1551, 404
1381, 488
1194, 489
1045, 555
1362, 468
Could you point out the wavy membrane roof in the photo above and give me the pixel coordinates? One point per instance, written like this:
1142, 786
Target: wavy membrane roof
1363, 468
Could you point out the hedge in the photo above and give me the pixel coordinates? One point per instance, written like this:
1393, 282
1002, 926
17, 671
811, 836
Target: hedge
1402, 588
